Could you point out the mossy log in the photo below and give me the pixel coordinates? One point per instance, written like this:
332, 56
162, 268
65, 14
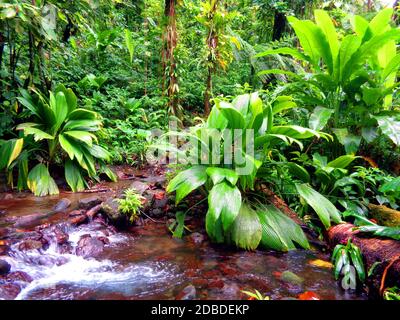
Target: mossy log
384, 215
386, 252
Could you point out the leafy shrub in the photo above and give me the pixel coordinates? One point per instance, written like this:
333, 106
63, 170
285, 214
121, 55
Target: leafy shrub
64, 135
130, 205
233, 216
350, 82
345, 256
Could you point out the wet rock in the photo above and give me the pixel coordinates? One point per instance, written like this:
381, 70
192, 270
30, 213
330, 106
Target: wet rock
156, 213
77, 220
139, 186
28, 220
91, 213
105, 240
75, 213
65, 248
230, 291
290, 277
196, 238
216, 284
18, 276
62, 205
9, 291
90, 202
110, 209
188, 293
3, 212
89, 247
60, 235
4, 250
30, 245
5, 267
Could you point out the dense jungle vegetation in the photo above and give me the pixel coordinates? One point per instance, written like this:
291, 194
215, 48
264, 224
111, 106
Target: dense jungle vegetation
83, 83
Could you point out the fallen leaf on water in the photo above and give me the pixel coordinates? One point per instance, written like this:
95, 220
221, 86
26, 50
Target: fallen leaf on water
277, 274
320, 263
309, 295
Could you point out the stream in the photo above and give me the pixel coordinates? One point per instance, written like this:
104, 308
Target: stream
92, 261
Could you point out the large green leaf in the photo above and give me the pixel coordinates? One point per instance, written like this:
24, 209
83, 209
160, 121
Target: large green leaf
214, 228
74, 177
70, 96
224, 201
129, 43
82, 114
381, 231
297, 132
187, 181
60, 110
390, 126
217, 175
246, 231
71, 148
299, 172
234, 116
9, 151
83, 136
241, 103
325, 22
40, 182
350, 45
36, 132
216, 119
392, 67
279, 231
313, 41
342, 162
325, 210
319, 118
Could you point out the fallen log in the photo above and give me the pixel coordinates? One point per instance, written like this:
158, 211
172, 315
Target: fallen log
386, 252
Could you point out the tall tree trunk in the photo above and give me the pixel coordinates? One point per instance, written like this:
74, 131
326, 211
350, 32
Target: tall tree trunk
279, 25
169, 55
31, 68
212, 43
2, 44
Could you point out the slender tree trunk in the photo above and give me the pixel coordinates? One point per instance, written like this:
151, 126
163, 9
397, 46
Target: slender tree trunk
279, 25
2, 44
169, 55
31, 68
212, 43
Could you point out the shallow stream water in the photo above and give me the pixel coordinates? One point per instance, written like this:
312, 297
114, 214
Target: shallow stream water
147, 263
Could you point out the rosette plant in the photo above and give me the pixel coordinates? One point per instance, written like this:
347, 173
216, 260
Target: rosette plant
59, 133
234, 215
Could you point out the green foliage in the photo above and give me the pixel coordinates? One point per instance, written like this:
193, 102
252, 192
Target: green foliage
350, 78
392, 294
130, 204
256, 295
345, 256
63, 134
230, 218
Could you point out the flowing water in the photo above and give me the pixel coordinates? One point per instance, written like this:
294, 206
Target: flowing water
147, 263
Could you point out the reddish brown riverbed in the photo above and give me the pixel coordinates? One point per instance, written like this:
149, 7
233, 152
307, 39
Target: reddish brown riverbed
147, 263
